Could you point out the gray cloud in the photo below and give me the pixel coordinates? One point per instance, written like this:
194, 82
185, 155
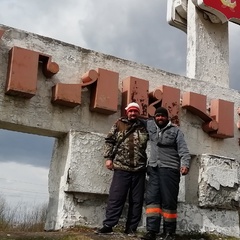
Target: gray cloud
22, 183
136, 31
25, 148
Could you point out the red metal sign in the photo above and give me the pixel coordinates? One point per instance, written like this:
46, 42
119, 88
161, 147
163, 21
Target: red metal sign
226, 10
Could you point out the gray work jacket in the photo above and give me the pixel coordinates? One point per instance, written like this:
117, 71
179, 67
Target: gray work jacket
167, 146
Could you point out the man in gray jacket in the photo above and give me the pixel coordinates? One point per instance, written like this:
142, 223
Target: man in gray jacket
169, 158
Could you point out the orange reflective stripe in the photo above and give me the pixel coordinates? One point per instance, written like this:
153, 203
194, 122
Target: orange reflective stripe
153, 210
170, 215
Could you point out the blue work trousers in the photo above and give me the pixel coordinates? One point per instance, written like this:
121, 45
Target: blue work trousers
161, 198
126, 184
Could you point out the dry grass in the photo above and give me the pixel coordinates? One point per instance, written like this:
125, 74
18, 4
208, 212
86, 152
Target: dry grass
20, 218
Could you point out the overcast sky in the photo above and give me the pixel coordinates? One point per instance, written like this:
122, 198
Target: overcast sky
136, 30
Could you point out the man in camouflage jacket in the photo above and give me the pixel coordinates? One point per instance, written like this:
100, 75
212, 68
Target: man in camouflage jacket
125, 154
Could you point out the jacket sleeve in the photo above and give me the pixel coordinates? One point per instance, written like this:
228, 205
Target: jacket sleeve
182, 148
110, 142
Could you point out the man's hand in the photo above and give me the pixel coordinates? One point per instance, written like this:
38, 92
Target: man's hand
109, 164
184, 170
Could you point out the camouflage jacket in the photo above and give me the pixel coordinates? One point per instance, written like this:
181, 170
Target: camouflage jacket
130, 154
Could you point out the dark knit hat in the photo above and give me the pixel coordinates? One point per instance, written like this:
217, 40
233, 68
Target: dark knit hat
161, 111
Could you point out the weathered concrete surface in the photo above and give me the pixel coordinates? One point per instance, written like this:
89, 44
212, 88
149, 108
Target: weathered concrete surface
207, 48
94, 177
204, 220
78, 181
219, 182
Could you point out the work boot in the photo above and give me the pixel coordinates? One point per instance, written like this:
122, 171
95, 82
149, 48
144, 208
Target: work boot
169, 236
161, 236
150, 235
130, 232
105, 230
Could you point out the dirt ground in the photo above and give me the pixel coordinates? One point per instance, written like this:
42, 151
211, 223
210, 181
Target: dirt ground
89, 234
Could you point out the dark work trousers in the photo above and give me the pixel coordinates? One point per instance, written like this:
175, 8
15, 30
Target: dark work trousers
161, 198
124, 183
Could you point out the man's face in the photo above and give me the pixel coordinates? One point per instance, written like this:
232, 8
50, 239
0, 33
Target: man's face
133, 114
161, 119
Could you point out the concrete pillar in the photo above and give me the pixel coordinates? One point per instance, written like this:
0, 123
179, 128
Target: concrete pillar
207, 48
57, 181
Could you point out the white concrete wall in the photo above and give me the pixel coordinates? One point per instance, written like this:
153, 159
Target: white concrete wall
78, 181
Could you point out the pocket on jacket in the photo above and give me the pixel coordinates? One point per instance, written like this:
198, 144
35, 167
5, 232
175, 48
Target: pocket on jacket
169, 139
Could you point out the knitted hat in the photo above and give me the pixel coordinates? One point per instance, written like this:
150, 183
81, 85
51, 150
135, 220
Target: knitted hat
162, 111
132, 106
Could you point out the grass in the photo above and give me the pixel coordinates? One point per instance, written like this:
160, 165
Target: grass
21, 218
